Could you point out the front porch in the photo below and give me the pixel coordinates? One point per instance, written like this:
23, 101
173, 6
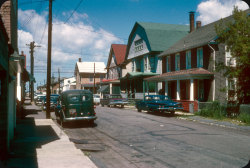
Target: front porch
186, 86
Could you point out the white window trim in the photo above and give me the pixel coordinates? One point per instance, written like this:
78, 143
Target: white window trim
188, 53
198, 58
178, 54
168, 64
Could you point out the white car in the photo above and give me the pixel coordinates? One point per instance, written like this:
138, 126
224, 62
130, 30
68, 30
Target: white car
96, 99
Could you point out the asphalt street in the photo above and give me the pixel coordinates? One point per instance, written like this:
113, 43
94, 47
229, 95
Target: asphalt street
126, 138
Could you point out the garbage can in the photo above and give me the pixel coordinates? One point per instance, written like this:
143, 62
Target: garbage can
191, 108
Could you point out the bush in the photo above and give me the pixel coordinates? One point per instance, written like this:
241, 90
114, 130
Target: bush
244, 117
213, 110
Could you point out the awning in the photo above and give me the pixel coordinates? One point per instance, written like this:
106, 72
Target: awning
103, 88
132, 75
195, 73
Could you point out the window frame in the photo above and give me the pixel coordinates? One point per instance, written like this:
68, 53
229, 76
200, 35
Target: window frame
168, 63
200, 62
177, 62
188, 59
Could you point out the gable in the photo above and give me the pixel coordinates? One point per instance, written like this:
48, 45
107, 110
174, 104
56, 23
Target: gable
156, 37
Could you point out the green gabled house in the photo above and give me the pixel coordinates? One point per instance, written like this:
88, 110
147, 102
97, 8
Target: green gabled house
147, 41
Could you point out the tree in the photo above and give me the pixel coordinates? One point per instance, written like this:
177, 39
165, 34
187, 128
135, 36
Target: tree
236, 36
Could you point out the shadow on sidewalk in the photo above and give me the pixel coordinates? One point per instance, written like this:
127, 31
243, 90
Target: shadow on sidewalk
28, 138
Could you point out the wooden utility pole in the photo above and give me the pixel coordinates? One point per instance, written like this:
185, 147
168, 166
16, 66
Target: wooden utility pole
32, 46
59, 92
49, 62
94, 80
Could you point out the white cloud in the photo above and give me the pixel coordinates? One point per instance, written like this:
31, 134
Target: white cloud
69, 41
212, 10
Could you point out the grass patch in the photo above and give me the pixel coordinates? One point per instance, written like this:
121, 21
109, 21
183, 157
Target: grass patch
213, 110
244, 117
216, 111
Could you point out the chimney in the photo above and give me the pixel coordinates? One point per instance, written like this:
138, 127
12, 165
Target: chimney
80, 60
198, 24
191, 20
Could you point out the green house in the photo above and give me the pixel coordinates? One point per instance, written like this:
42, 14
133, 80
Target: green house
146, 41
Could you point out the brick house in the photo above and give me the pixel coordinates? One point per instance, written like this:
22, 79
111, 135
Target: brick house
146, 41
111, 84
88, 74
188, 67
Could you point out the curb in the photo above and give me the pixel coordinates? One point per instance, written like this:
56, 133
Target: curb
235, 127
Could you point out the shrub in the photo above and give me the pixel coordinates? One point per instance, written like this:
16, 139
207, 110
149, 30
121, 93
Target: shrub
244, 117
213, 110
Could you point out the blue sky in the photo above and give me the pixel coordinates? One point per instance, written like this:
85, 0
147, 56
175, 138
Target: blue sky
88, 31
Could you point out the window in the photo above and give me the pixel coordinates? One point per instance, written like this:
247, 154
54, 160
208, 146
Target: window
91, 79
152, 63
199, 58
145, 63
138, 65
177, 62
188, 60
230, 61
138, 45
133, 66
168, 64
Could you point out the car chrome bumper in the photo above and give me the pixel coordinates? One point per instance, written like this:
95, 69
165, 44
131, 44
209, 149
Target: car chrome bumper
118, 103
170, 108
80, 118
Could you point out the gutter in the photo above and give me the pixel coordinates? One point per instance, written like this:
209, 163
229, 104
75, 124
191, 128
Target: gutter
213, 67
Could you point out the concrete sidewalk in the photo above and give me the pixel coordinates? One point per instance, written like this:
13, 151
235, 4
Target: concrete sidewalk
40, 143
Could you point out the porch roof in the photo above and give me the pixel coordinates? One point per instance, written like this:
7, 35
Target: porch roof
132, 75
195, 73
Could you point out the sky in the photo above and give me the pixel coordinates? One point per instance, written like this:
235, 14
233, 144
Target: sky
87, 28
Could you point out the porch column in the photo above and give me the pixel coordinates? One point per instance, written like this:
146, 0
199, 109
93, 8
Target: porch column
143, 88
156, 88
147, 87
191, 89
178, 90
166, 88
110, 88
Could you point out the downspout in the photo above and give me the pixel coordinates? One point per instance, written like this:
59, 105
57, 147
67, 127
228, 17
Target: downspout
213, 98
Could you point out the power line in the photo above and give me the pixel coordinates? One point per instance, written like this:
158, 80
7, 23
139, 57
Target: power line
74, 11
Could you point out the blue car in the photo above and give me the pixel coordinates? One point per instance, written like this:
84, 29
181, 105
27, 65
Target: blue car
158, 103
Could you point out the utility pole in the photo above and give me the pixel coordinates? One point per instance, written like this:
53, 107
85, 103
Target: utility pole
94, 80
59, 81
32, 46
49, 62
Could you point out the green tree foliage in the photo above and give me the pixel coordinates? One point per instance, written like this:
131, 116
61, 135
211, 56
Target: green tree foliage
236, 36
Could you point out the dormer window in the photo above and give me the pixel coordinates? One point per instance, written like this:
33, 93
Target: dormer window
138, 45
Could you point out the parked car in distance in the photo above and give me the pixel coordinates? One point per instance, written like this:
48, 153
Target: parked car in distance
39, 100
75, 105
158, 103
113, 100
53, 102
96, 99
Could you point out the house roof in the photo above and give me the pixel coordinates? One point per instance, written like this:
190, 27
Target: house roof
198, 38
119, 52
162, 36
195, 73
88, 67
